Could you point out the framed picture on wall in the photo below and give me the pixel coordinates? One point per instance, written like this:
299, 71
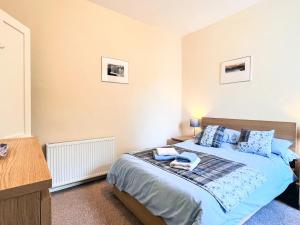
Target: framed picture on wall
114, 70
236, 70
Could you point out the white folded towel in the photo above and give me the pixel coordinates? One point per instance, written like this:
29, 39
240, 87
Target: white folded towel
185, 166
166, 151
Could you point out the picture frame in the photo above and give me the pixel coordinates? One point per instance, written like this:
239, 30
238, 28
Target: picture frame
236, 70
114, 70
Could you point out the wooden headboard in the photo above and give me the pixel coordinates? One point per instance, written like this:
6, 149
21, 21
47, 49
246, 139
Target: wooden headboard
284, 130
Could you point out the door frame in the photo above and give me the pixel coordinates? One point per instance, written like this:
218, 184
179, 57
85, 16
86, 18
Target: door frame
9, 20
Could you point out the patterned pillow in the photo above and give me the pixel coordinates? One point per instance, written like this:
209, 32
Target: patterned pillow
231, 136
256, 142
211, 136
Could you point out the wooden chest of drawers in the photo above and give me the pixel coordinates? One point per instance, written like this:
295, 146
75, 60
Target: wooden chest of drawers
24, 183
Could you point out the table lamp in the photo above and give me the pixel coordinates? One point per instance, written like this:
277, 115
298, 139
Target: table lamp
194, 123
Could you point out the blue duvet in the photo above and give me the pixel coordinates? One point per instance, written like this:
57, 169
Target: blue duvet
179, 202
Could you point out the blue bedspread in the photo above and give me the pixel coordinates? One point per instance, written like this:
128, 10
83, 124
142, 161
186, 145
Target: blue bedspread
228, 181
181, 202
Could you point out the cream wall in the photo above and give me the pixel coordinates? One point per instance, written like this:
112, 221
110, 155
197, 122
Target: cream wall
69, 101
269, 32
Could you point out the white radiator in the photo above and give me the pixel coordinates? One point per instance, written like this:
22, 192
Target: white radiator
72, 162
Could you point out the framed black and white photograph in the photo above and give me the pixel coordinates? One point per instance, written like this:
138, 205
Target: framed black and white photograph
114, 70
236, 70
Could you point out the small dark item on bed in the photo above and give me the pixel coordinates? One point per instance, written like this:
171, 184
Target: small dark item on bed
3, 150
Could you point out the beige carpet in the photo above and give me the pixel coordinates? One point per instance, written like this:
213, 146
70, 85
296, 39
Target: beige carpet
95, 204
90, 204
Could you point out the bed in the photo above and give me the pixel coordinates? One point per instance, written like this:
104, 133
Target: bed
158, 197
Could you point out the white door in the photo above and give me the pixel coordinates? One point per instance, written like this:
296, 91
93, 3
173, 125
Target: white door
12, 81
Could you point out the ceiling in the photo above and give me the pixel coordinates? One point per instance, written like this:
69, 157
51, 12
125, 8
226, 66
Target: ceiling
178, 16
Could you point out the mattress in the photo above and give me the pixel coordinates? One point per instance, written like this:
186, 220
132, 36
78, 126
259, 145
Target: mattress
179, 201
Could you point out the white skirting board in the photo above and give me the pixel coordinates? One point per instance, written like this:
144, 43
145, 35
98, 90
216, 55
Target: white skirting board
60, 188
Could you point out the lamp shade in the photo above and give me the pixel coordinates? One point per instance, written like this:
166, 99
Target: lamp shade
194, 123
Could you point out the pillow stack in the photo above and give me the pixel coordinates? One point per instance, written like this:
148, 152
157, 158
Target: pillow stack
256, 142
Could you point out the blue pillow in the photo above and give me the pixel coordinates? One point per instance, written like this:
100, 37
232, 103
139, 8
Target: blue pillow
256, 142
289, 156
281, 147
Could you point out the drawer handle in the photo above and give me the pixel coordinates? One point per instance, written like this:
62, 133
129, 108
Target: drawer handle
2, 46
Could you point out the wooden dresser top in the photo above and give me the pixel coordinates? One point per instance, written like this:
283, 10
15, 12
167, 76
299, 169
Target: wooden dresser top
24, 170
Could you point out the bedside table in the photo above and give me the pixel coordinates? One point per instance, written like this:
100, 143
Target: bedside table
178, 139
